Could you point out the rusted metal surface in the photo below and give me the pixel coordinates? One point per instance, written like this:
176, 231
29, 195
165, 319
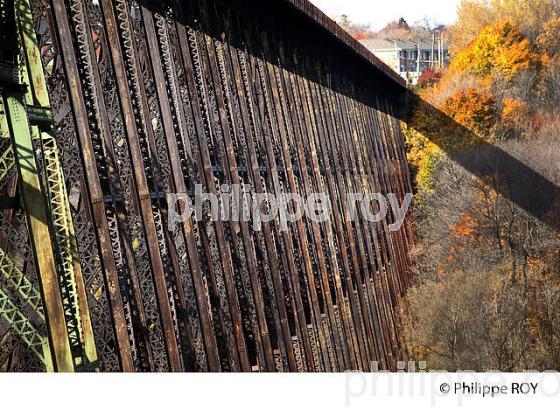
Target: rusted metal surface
151, 98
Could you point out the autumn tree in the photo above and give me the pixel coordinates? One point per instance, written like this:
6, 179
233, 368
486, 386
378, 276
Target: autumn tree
429, 77
475, 15
473, 109
499, 50
472, 17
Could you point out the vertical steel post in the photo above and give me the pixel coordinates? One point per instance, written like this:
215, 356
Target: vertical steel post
36, 212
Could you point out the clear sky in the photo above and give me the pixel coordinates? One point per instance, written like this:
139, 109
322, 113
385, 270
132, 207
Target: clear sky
379, 12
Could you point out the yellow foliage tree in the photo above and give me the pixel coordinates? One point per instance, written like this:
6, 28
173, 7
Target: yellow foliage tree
499, 49
423, 156
474, 15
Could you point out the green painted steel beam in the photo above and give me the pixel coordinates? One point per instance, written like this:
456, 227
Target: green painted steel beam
16, 278
71, 276
28, 118
37, 220
25, 330
7, 160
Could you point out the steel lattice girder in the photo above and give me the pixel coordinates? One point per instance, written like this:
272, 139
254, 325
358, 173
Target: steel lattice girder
7, 162
24, 329
151, 99
16, 278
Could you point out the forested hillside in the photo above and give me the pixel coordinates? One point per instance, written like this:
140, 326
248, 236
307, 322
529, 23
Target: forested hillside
487, 295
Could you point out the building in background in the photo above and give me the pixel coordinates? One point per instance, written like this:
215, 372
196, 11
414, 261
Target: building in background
410, 58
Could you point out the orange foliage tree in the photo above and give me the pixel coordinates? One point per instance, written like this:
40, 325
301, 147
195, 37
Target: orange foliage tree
473, 109
500, 49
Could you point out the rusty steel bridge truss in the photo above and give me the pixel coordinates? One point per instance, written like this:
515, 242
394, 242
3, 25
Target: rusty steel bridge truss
109, 105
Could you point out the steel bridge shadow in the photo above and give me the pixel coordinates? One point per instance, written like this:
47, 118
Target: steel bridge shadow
517, 181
